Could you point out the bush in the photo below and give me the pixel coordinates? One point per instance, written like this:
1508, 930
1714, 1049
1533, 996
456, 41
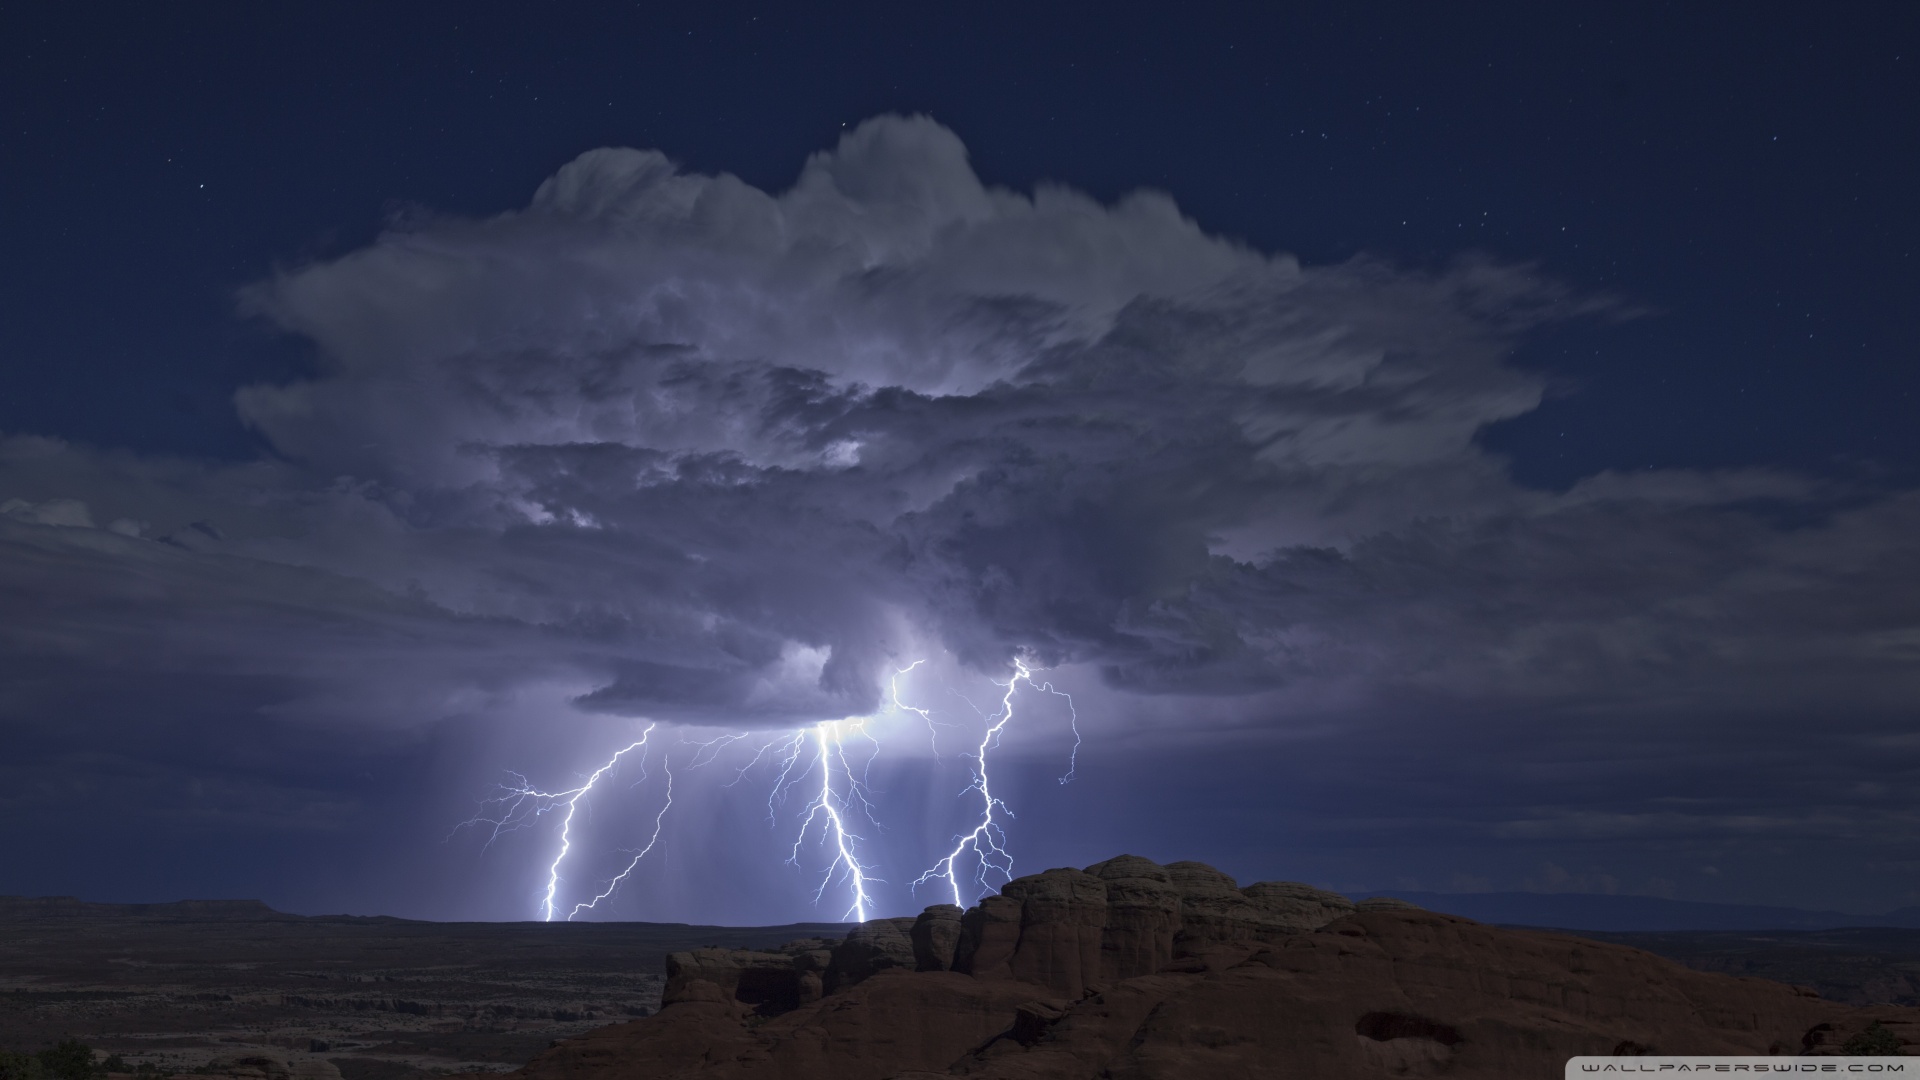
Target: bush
68, 1059
20, 1067
1876, 1041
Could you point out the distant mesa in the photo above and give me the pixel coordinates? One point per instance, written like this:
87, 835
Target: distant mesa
1131, 969
1604, 912
45, 907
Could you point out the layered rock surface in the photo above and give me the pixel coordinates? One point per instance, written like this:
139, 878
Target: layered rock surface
1132, 969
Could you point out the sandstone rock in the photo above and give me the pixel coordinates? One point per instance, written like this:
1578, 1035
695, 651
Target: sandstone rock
1063, 914
717, 968
1381, 993
1131, 970
1212, 910
989, 931
1032, 1019
1199, 879
1123, 867
811, 966
1143, 916
771, 982
936, 937
1386, 903
693, 988
1290, 907
871, 947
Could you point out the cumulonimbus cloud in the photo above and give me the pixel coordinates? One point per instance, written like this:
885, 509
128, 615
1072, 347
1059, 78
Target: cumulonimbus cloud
715, 453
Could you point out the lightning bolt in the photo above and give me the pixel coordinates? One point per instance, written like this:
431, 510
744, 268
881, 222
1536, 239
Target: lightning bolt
1073, 722
827, 804
521, 803
828, 807
843, 790
933, 735
986, 842
666, 766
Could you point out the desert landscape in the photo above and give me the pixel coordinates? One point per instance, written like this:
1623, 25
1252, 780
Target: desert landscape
1438, 481
236, 988
1126, 968
1854, 965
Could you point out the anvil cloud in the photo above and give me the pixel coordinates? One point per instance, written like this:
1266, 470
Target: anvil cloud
704, 454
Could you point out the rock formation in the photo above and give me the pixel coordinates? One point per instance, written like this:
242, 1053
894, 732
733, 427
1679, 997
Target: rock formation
1130, 969
936, 937
770, 982
870, 948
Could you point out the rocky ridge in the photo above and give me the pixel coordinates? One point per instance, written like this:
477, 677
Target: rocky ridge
1132, 969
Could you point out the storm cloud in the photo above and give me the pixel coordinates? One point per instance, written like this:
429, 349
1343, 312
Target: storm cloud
677, 448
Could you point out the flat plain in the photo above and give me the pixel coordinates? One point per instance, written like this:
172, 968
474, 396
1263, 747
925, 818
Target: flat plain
235, 988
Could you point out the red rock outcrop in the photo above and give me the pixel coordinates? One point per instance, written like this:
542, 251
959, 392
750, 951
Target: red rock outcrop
936, 937
1143, 917
771, 982
1129, 969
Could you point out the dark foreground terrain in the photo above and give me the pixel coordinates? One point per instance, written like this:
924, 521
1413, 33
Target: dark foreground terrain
247, 990
1858, 966
1129, 970
1134, 970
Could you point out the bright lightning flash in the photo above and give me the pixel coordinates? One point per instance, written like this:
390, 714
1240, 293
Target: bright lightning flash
521, 802
658, 819
933, 734
985, 844
843, 791
829, 806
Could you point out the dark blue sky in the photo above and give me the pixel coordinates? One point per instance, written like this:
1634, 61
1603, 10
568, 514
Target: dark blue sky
1745, 173
1676, 446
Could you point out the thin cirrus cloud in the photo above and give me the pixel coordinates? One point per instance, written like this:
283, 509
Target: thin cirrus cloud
711, 454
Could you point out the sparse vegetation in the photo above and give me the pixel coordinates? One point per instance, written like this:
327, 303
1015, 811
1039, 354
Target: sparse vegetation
20, 1067
68, 1059
1876, 1041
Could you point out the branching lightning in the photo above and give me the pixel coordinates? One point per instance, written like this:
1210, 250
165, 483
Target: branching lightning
521, 803
827, 804
986, 843
1073, 723
658, 819
933, 734
843, 791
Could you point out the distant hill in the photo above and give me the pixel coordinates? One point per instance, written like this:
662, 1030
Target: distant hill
1641, 914
46, 907
1563, 911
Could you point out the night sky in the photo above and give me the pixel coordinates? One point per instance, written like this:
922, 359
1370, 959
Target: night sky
1436, 448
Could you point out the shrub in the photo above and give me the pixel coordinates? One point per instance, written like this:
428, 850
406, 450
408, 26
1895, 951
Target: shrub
68, 1059
1876, 1041
20, 1067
